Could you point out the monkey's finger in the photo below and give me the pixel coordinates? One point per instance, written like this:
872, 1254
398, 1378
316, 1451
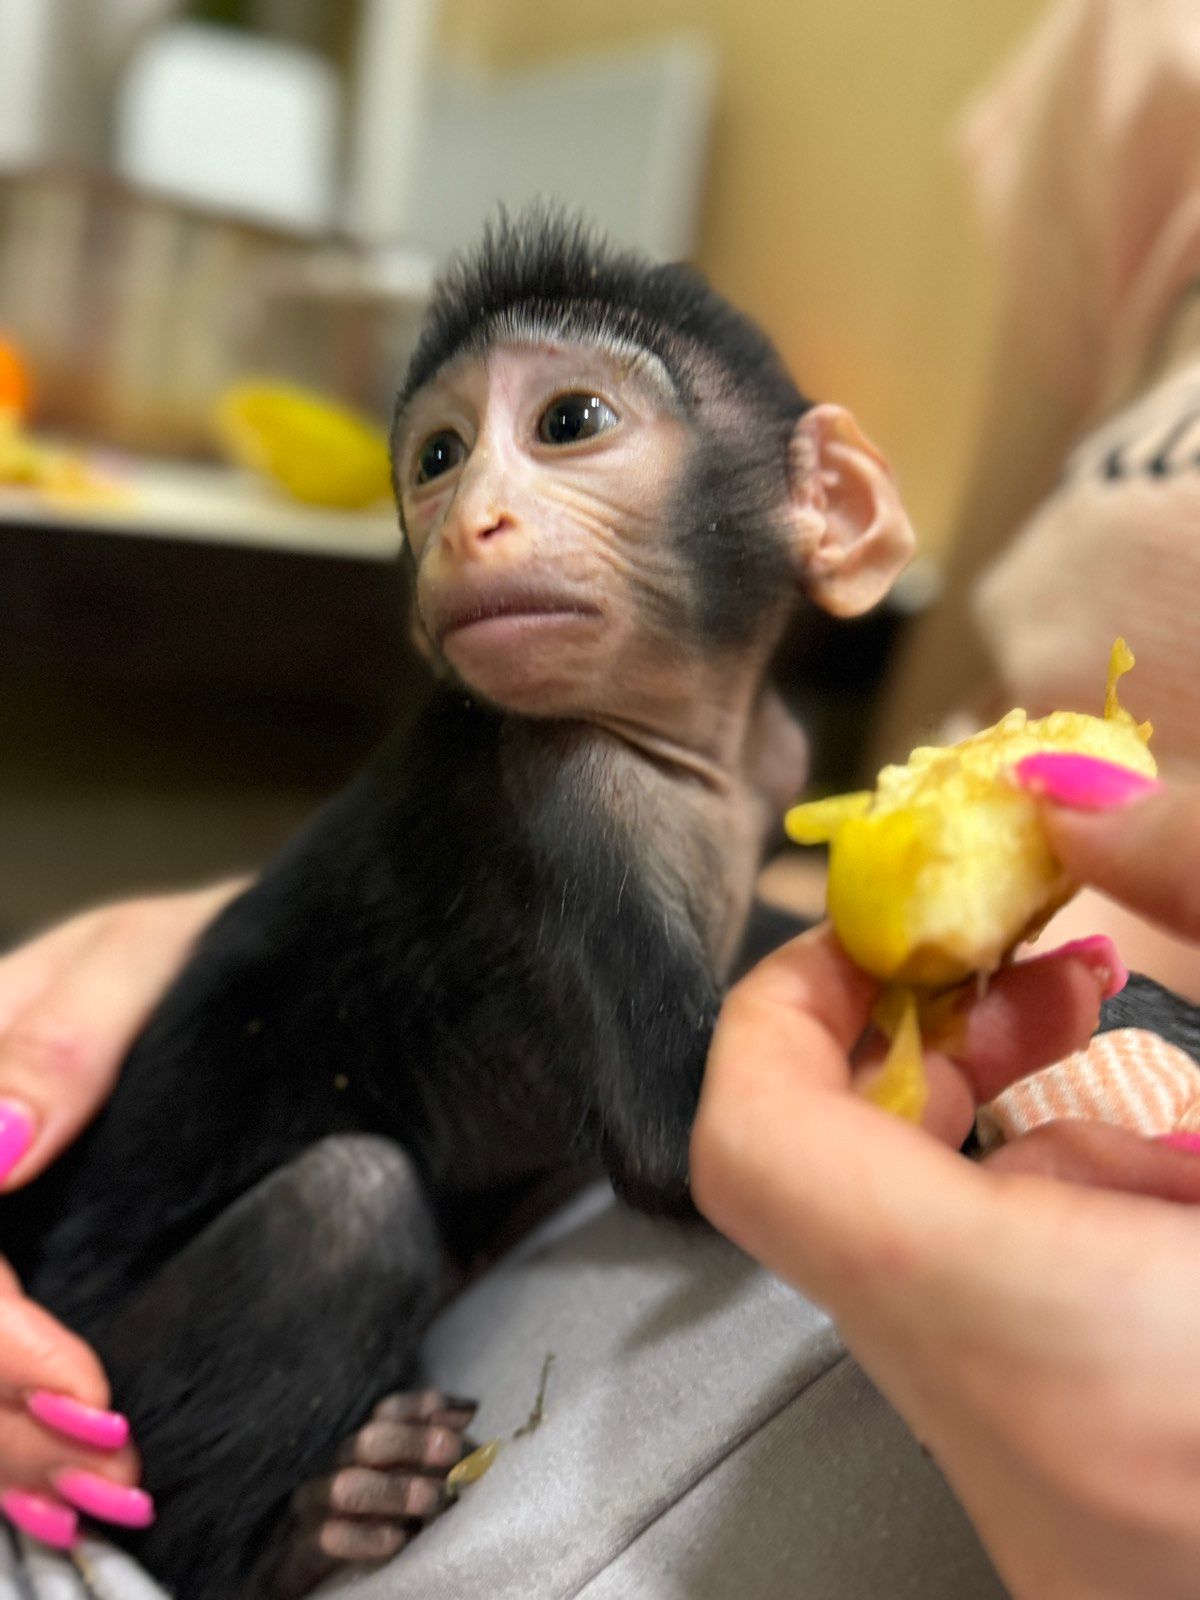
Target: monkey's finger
1145, 854
365, 1492
60, 1053
425, 1447
342, 1539
1104, 1158
425, 1405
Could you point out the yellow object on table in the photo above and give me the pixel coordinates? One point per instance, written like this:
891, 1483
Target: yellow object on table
27, 463
937, 873
318, 451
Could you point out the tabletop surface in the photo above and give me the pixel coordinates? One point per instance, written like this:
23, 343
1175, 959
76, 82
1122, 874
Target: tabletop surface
204, 504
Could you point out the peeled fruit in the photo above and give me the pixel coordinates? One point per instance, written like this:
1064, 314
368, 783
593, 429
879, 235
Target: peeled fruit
943, 868
319, 451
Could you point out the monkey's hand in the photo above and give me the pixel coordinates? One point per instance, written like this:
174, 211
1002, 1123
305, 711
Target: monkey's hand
71, 1002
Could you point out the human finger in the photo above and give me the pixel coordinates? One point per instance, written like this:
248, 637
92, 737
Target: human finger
1103, 1157
978, 1042
60, 1052
814, 1180
32, 1455
1127, 836
37, 1354
26, 970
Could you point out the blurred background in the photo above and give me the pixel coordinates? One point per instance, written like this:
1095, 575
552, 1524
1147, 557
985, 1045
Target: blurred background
202, 622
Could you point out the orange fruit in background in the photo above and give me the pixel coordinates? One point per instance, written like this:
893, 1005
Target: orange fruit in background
16, 385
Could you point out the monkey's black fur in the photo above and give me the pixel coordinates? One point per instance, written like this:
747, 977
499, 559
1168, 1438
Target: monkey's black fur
461, 955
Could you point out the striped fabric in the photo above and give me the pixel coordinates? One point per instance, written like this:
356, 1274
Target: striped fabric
1128, 1078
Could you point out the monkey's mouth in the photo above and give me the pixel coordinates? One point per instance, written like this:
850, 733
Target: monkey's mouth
504, 614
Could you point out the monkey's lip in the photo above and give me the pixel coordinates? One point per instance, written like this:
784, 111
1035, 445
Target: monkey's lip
513, 609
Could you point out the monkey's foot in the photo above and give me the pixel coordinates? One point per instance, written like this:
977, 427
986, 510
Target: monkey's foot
388, 1483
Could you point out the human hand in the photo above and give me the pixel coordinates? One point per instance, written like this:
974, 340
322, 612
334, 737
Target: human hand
1039, 1336
71, 1002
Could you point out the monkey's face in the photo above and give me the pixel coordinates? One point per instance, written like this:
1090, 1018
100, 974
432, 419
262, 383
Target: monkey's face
536, 482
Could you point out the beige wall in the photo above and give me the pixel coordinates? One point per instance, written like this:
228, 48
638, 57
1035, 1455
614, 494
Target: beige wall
836, 212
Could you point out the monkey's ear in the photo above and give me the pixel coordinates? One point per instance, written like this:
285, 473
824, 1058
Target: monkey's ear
850, 534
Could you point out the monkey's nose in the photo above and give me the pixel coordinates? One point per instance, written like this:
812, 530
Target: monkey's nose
489, 527
472, 534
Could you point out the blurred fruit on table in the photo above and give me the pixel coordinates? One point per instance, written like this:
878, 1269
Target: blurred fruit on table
27, 463
318, 451
16, 383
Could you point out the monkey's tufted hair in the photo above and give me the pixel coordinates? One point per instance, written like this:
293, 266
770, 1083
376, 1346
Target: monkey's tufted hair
547, 272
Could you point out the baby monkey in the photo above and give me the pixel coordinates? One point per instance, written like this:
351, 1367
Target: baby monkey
500, 952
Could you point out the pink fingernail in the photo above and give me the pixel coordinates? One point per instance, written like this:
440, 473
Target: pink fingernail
107, 1430
41, 1517
1100, 955
1181, 1141
111, 1502
1082, 782
16, 1135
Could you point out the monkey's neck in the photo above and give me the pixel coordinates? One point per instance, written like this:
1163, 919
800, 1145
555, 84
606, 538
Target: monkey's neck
689, 718
694, 836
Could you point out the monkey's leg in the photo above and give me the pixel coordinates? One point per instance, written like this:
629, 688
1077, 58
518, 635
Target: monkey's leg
249, 1359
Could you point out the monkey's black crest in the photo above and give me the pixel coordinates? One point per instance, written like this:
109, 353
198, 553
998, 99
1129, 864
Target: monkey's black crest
548, 271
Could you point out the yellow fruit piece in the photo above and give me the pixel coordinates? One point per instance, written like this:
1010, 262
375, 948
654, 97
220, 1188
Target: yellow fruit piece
471, 1468
320, 452
947, 867
901, 1086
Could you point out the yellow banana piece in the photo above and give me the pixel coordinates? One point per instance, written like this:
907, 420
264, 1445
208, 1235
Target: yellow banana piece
937, 873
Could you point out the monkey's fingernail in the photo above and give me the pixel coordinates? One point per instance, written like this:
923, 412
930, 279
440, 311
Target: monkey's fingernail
1187, 1142
111, 1502
41, 1517
455, 1402
16, 1134
107, 1430
1099, 954
1082, 782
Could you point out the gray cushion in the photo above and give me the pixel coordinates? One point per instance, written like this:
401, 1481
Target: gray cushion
704, 1435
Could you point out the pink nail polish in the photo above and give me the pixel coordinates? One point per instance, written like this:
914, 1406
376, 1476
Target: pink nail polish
16, 1135
41, 1517
1082, 782
1100, 955
1189, 1142
111, 1502
107, 1430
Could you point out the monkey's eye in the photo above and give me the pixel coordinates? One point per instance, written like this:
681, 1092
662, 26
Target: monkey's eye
440, 453
573, 417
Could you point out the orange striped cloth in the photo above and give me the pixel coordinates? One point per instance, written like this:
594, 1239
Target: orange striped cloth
1128, 1078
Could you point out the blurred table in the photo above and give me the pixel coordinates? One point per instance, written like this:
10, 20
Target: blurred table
185, 672
209, 504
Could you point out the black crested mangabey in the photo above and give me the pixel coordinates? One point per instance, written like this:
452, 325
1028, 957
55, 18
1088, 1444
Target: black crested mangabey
501, 950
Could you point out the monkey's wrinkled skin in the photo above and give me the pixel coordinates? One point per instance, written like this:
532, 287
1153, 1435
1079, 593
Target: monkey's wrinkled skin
943, 868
